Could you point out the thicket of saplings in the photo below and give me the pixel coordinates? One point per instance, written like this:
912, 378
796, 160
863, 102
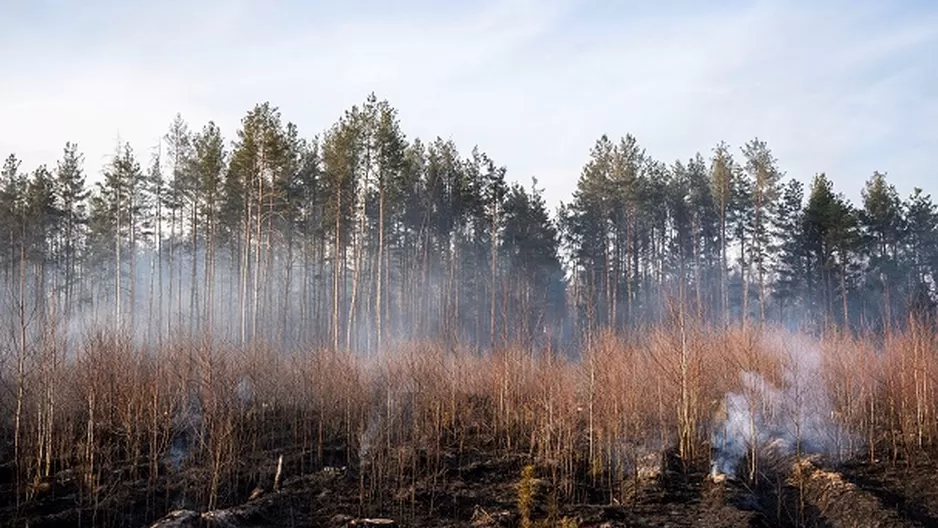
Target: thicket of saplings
113, 414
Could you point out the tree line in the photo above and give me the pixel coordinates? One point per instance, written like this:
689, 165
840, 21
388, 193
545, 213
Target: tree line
730, 240
360, 236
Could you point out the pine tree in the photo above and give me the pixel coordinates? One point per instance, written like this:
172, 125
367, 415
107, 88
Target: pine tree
72, 196
651, 239
628, 162
418, 240
831, 237
590, 229
921, 252
12, 194
41, 215
179, 156
493, 194
312, 230
116, 208
530, 247
705, 228
414, 221
722, 182
761, 167
742, 224
209, 164
883, 228
259, 154
791, 267
390, 146
339, 157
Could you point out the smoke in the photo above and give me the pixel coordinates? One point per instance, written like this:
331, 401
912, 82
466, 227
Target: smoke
287, 302
390, 417
796, 418
187, 429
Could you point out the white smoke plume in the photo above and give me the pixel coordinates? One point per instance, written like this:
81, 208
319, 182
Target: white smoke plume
794, 419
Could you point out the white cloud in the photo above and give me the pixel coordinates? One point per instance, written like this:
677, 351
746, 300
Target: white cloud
534, 84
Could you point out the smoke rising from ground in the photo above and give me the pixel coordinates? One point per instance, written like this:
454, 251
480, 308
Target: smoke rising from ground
795, 417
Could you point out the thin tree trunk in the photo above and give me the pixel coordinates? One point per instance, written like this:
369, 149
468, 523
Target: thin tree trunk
132, 278
494, 252
117, 266
357, 256
724, 291
843, 290
20, 373
172, 271
258, 237
335, 270
194, 286
380, 286
757, 247
697, 286
629, 271
210, 272
159, 264
287, 285
245, 261
743, 271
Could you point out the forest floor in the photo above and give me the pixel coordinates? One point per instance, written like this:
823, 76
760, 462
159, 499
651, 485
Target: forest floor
480, 490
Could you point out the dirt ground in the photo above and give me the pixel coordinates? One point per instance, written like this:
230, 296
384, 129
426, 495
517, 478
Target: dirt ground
481, 491
910, 489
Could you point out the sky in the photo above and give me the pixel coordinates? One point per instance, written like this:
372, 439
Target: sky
841, 87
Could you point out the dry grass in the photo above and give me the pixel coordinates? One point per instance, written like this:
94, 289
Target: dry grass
115, 413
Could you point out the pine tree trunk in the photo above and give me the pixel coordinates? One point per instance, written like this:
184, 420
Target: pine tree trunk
743, 271
724, 290
843, 290
494, 252
245, 259
387, 321
159, 265
607, 278
20, 373
629, 271
258, 243
194, 282
760, 263
319, 286
210, 272
172, 271
357, 251
150, 298
132, 278
285, 302
117, 264
380, 287
423, 301
335, 270
616, 277
268, 315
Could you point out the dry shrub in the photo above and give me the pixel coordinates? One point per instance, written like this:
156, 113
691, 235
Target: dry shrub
839, 502
216, 418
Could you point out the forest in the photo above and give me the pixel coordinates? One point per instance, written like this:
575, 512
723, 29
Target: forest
359, 237
209, 307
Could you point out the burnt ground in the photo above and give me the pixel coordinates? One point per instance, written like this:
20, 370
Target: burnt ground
483, 493
910, 489
470, 490
481, 490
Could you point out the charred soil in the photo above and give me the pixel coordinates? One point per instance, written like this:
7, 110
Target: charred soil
482, 489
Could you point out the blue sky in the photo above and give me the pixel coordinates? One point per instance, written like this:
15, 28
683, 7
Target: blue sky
840, 87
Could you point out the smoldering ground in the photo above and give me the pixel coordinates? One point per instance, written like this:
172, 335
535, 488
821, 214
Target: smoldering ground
795, 417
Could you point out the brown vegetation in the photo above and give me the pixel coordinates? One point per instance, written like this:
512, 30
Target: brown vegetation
120, 435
